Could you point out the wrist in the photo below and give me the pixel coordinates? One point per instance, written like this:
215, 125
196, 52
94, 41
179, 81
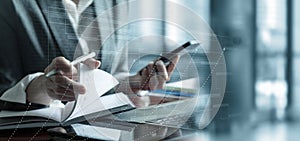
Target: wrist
136, 83
129, 85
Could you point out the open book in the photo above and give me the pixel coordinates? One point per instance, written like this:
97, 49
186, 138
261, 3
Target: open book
87, 106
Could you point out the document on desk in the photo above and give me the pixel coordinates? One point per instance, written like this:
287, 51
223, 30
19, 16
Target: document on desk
97, 82
172, 106
95, 132
184, 89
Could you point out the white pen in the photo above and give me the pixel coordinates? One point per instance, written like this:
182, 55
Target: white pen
74, 62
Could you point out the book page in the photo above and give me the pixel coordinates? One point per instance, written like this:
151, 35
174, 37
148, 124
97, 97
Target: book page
53, 113
104, 103
97, 83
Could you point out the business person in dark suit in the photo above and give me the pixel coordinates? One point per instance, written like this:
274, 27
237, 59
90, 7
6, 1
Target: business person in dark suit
34, 34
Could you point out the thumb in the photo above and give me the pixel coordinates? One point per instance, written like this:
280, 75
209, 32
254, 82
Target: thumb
92, 63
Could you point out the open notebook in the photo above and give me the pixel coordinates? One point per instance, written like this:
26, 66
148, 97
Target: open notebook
89, 105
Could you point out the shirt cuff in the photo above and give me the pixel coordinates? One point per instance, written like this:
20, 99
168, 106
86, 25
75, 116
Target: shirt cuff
17, 93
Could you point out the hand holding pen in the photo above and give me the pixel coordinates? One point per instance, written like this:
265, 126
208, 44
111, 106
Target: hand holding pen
61, 60
60, 80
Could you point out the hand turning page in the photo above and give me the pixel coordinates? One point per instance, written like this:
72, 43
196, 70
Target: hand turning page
97, 83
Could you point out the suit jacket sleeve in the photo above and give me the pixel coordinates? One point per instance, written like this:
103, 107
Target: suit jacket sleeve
13, 78
10, 59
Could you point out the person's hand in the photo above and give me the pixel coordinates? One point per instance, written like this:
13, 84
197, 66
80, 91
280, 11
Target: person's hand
153, 76
62, 86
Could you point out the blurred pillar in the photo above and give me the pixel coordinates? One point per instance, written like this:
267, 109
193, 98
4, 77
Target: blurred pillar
233, 21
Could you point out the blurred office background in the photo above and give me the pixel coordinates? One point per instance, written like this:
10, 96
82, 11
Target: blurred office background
262, 53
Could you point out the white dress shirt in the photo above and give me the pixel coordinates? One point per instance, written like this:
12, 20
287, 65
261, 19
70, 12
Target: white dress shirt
17, 93
74, 11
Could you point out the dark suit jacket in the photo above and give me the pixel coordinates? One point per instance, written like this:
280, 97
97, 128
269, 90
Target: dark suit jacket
33, 32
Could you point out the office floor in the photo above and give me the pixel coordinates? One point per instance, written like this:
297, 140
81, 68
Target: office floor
264, 131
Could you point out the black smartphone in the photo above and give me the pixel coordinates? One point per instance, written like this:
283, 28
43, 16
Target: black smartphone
166, 57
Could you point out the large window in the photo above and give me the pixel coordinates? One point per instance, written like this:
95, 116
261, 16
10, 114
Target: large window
271, 61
